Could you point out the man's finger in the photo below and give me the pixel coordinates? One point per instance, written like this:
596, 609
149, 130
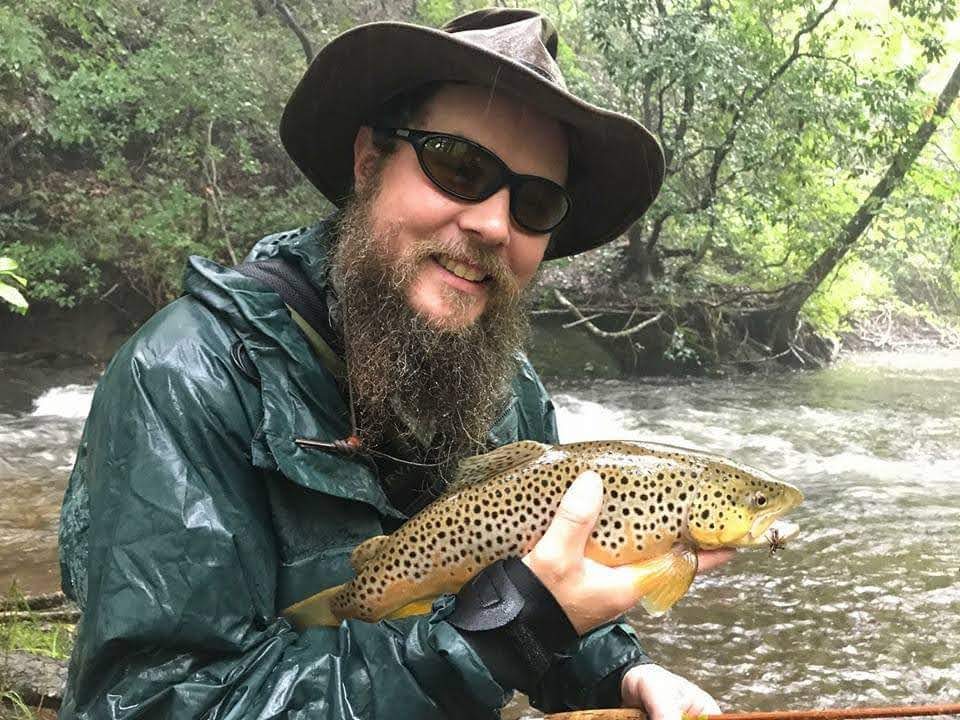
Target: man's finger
579, 508
709, 559
700, 703
663, 707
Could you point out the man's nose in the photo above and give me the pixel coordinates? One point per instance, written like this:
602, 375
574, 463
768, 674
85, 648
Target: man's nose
488, 220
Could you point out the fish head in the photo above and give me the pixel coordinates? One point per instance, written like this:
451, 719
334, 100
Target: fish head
735, 506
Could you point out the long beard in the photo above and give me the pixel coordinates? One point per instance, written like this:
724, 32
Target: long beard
410, 378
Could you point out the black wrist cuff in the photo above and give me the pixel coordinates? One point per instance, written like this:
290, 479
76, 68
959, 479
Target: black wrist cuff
513, 622
608, 690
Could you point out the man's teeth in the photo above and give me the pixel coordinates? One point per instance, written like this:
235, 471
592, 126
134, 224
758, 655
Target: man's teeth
460, 270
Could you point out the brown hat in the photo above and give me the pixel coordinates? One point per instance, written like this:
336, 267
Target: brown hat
616, 165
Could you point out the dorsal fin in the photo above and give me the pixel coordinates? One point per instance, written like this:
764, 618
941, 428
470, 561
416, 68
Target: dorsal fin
365, 551
480, 467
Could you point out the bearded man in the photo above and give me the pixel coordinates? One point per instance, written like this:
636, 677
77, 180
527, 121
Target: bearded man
255, 431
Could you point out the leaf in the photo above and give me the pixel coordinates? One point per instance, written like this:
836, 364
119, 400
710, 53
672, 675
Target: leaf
7, 264
13, 296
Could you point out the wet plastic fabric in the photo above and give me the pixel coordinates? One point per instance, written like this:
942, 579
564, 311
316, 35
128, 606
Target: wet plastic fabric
191, 519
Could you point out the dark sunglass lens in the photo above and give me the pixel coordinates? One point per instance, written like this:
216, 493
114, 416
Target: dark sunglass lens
539, 205
460, 168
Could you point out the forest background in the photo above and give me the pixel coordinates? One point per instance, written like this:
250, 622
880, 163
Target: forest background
813, 155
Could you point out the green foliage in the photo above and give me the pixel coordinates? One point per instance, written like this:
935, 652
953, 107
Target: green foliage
777, 120
855, 290
683, 350
34, 636
149, 133
54, 640
134, 134
22, 710
8, 291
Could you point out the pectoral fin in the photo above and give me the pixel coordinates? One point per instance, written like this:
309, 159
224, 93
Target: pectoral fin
418, 607
314, 610
665, 579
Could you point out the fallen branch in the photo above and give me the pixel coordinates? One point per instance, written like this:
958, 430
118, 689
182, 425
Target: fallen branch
750, 293
34, 602
594, 330
64, 615
589, 309
581, 321
36, 679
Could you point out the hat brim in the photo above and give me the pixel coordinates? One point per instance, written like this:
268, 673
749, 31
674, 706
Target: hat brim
617, 165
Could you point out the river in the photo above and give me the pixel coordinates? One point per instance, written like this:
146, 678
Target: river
863, 607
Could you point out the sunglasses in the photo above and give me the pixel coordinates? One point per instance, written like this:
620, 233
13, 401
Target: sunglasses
469, 171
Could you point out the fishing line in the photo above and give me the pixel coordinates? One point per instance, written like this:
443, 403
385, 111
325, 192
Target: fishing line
353, 445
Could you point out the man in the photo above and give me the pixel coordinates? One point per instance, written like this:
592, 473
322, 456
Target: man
194, 516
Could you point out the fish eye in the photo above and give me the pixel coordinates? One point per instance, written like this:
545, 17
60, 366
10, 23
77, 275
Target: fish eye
759, 499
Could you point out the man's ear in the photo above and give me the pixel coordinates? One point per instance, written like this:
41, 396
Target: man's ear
365, 157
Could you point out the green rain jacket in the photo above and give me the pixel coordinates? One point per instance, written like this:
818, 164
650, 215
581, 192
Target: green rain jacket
191, 519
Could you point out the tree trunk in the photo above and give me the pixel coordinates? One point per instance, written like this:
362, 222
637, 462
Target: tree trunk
783, 319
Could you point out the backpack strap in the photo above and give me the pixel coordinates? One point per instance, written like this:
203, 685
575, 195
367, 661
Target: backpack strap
295, 289
308, 309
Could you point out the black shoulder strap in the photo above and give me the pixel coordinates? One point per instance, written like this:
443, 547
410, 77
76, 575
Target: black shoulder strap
295, 289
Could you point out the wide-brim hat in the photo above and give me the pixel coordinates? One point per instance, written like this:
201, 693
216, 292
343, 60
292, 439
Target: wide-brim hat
616, 164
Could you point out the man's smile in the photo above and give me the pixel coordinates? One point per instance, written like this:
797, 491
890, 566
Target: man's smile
461, 274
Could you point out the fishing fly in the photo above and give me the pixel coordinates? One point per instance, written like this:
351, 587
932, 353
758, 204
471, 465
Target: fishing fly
777, 541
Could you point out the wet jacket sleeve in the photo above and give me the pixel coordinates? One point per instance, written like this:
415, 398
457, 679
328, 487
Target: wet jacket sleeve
180, 618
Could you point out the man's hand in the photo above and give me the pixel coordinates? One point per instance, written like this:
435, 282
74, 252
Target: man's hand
663, 695
589, 593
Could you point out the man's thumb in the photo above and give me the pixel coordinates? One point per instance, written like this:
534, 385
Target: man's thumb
576, 516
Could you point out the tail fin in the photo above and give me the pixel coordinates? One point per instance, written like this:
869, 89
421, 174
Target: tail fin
314, 610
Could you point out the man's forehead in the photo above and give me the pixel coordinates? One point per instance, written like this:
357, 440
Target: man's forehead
502, 122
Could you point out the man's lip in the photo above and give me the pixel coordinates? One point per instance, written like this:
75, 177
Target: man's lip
468, 286
466, 263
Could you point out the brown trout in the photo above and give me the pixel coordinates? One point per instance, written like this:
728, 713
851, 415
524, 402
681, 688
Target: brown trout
660, 505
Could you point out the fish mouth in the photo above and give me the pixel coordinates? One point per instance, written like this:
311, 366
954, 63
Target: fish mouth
766, 530
765, 522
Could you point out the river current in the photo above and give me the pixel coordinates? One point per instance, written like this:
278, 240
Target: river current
861, 608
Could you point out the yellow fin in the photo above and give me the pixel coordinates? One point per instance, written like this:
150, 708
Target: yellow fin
365, 551
480, 467
417, 607
665, 579
314, 610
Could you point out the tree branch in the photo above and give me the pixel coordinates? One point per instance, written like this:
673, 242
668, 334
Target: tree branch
214, 193
689, 101
594, 330
287, 17
892, 178
11, 146
747, 105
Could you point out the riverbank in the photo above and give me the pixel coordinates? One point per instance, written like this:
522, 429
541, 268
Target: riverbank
595, 336
35, 644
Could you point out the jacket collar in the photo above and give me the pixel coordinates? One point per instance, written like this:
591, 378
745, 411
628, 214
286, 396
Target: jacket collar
300, 396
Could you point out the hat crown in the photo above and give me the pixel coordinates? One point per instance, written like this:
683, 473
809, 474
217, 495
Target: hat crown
523, 36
